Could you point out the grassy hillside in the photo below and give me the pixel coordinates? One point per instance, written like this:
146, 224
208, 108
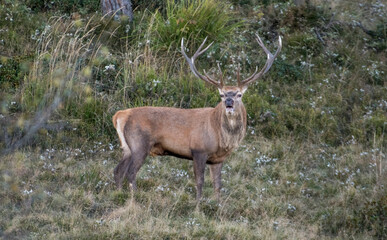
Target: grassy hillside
313, 163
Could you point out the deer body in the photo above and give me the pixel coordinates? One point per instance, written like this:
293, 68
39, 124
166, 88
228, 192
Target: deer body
204, 135
178, 132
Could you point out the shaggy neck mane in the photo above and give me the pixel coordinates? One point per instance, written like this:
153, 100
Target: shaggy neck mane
232, 128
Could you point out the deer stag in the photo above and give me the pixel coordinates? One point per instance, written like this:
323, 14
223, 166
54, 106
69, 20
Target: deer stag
204, 135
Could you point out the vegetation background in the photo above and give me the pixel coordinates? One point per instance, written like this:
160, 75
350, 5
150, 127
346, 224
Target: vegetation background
312, 165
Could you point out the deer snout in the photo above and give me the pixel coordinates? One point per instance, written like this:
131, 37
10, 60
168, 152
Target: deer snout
229, 105
229, 102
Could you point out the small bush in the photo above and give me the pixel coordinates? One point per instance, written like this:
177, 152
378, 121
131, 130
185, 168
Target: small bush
9, 73
193, 21
287, 72
70, 6
304, 17
140, 5
378, 37
360, 217
305, 44
372, 217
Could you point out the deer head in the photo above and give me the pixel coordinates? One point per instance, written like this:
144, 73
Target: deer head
231, 95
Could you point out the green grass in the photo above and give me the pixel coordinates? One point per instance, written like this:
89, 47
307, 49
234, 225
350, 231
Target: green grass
193, 20
312, 165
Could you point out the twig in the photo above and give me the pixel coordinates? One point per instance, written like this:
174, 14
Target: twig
319, 36
369, 32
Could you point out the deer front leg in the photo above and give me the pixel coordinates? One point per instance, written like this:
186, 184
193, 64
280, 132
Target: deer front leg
215, 172
199, 162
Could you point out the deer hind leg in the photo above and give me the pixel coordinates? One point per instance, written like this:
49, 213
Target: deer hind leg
136, 161
122, 168
215, 172
140, 148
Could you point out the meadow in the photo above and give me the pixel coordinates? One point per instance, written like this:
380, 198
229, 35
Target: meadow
313, 162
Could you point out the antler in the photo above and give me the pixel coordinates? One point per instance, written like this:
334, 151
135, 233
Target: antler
269, 62
191, 62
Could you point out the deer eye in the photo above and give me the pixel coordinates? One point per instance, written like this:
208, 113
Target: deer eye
222, 95
239, 95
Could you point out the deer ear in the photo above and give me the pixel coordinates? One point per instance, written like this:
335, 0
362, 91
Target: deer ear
220, 91
243, 89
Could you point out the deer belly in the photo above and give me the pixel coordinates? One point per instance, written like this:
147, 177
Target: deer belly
172, 149
157, 150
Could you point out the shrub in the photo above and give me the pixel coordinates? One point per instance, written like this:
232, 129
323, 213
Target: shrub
9, 73
378, 36
150, 5
287, 72
371, 216
304, 17
18, 26
305, 44
69, 6
193, 21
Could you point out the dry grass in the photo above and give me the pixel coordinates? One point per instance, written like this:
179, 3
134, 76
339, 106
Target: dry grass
69, 193
312, 166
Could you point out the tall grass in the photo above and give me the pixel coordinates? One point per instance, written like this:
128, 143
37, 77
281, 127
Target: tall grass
194, 20
61, 65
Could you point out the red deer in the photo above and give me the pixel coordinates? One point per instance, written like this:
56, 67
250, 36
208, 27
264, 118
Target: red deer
204, 135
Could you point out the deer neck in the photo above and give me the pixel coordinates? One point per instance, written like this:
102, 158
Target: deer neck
232, 127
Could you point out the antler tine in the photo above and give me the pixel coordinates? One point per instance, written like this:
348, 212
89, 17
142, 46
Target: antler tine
241, 83
191, 63
259, 40
199, 51
238, 74
268, 64
187, 58
270, 55
205, 73
221, 75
